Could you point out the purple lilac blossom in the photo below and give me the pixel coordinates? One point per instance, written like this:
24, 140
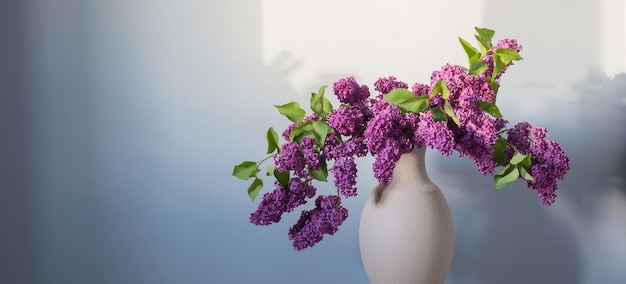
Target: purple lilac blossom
344, 170
518, 137
500, 123
279, 201
456, 80
420, 89
385, 124
325, 218
435, 134
349, 92
291, 158
549, 163
389, 134
478, 150
388, 84
353, 147
348, 121
311, 157
385, 161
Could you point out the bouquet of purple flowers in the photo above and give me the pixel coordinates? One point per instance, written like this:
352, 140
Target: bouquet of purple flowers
455, 112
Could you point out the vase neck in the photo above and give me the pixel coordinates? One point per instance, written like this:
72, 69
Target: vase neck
411, 165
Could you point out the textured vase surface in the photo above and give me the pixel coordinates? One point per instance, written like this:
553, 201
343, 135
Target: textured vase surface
406, 234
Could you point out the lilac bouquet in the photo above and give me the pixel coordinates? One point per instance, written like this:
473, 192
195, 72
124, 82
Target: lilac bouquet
456, 111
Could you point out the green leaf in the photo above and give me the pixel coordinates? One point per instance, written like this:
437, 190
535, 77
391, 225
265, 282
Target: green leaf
507, 55
477, 68
517, 158
282, 178
508, 175
322, 89
438, 114
494, 111
320, 104
246, 170
255, 188
498, 66
317, 130
499, 152
470, 50
450, 111
483, 105
272, 141
489, 108
301, 131
527, 162
484, 37
441, 88
407, 101
320, 131
503, 57
524, 173
292, 111
321, 174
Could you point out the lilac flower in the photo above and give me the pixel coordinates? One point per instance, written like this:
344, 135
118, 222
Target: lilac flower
344, 170
290, 159
325, 218
349, 92
388, 84
435, 135
385, 124
456, 80
518, 137
354, 147
500, 123
420, 89
279, 201
348, 121
389, 134
549, 163
311, 157
508, 43
332, 140
479, 149
385, 161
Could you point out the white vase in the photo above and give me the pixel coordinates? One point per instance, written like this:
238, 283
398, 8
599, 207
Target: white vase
406, 233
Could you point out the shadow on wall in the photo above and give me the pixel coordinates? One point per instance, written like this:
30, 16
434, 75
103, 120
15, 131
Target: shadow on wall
509, 237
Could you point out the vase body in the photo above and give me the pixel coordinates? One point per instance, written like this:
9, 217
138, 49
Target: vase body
406, 234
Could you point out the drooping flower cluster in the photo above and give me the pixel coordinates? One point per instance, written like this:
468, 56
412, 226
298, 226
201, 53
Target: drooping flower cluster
435, 134
326, 218
549, 162
280, 201
389, 133
455, 112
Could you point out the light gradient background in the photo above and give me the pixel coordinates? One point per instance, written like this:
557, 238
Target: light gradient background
121, 122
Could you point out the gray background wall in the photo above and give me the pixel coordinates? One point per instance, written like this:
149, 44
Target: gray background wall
121, 121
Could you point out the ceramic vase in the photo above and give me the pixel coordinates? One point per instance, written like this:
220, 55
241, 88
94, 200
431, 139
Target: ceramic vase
406, 234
